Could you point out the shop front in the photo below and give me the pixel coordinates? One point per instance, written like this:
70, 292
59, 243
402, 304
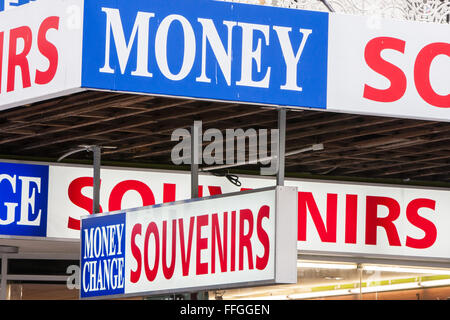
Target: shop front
355, 240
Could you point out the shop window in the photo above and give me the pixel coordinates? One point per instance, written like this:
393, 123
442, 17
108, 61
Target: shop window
40, 291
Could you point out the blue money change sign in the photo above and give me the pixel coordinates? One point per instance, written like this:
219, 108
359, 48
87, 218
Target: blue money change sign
103, 255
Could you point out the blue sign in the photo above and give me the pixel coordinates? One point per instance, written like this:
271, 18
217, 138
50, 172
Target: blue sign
207, 49
4, 4
23, 199
103, 255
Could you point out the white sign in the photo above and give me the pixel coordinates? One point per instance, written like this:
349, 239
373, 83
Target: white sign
379, 220
389, 67
225, 241
336, 62
333, 217
348, 218
40, 51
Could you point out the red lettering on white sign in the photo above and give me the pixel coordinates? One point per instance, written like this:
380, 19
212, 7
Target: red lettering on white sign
397, 78
327, 231
181, 247
324, 219
18, 49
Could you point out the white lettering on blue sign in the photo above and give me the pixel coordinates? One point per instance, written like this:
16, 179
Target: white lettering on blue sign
27, 201
249, 55
23, 199
219, 50
103, 255
101, 241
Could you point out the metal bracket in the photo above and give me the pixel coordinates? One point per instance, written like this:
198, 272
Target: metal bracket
96, 150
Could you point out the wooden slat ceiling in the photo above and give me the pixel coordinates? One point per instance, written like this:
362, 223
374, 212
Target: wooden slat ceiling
140, 128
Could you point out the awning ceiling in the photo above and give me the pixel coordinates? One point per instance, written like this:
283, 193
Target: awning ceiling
140, 128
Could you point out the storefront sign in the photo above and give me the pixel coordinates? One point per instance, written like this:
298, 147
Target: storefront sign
216, 49
40, 52
235, 240
374, 220
389, 67
227, 51
269, 55
334, 217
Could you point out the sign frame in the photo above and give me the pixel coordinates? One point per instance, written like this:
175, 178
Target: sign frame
285, 271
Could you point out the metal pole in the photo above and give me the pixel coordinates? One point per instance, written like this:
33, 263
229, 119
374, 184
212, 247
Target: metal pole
96, 150
195, 160
195, 145
96, 186
4, 273
359, 268
328, 5
281, 145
